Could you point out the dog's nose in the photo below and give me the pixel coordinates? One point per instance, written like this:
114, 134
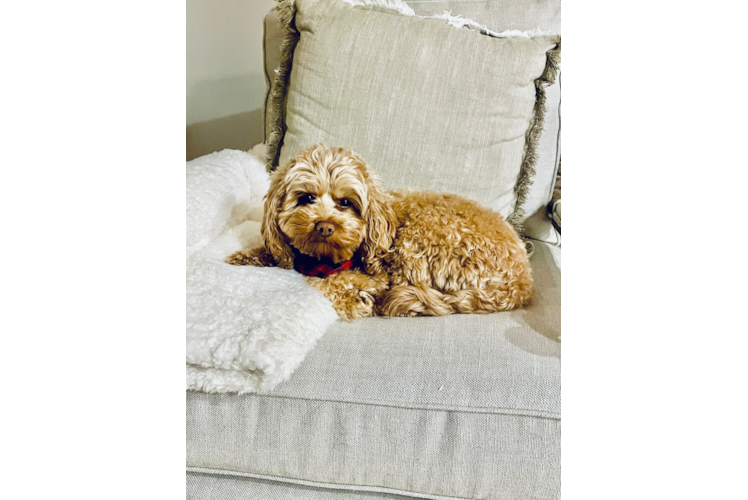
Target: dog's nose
324, 228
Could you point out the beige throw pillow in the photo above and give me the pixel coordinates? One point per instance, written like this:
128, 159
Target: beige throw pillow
428, 105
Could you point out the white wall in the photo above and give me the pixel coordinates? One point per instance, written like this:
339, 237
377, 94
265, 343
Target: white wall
225, 76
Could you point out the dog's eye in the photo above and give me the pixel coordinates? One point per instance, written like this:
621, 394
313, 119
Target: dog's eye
345, 203
306, 199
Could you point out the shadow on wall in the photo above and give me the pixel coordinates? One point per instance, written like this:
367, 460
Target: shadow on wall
220, 114
241, 131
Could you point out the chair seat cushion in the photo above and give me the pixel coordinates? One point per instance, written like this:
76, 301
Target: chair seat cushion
463, 406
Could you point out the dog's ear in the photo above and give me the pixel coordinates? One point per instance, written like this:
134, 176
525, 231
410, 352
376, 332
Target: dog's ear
275, 241
381, 226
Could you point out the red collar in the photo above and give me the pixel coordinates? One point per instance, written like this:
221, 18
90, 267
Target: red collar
319, 268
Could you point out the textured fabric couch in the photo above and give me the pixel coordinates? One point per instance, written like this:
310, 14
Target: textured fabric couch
463, 406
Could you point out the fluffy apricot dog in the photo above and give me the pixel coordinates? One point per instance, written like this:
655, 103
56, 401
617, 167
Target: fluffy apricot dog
397, 253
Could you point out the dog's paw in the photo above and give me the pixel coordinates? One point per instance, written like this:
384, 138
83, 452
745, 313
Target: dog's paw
354, 304
345, 292
258, 257
242, 259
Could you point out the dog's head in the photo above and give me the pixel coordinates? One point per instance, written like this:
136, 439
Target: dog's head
325, 203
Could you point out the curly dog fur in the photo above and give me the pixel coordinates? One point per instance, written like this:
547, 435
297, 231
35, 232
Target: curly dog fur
419, 253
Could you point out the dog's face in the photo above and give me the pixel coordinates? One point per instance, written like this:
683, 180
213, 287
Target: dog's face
325, 203
325, 199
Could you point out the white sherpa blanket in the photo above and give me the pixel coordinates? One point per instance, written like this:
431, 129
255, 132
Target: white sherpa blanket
248, 328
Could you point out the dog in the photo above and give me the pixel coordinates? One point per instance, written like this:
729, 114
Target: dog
397, 253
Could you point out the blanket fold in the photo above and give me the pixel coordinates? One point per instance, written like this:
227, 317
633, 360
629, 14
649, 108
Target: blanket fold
248, 328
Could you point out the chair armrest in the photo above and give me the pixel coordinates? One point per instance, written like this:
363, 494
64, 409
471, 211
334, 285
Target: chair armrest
566, 212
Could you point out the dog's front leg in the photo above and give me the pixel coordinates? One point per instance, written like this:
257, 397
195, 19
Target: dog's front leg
352, 293
258, 257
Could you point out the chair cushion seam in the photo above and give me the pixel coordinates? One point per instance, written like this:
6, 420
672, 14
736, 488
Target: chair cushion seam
320, 484
521, 412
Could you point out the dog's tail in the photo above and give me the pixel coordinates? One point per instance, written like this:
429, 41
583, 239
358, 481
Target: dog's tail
409, 300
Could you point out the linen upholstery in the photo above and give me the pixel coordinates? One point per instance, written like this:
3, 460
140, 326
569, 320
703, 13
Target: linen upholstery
460, 406
232, 487
271, 42
386, 79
